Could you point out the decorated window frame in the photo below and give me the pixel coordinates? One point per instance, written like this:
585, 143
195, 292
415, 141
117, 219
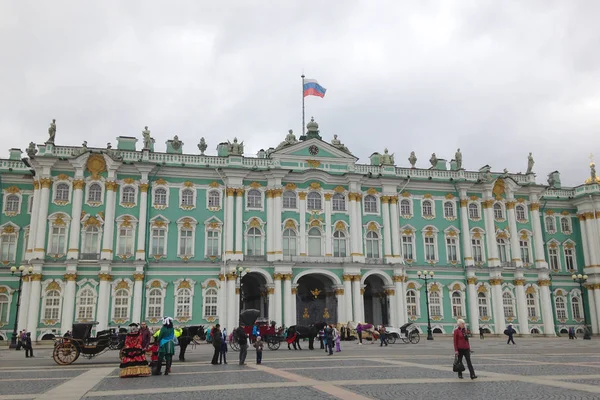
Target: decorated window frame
430, 238
553, 253
159, 222
342, 228
58, 220
160, 286
208, 286
524, 218
215, 226
255, 223
474, 210
416, 288
257, 192
128, 222
428, 202
91, 222
408, 231
499, 211
56, 184
52, 286
120, 286
578, 316
160, 185
83, 286
372, 198
12, 197
315, 201
181, 285
436, 291
477, 238
483, 292
527, 237
449, 205
6, 292
512, 314
452, 233
337, 198
503, 238
550, 223
25, 241
185, 191
101, 187
566, 226
9, 238
569, 251
288, 196
315, 227
404, 203
211, 204
460, 289
560, 297
125, 202
187, 224
532, 293
291, 225
368, 229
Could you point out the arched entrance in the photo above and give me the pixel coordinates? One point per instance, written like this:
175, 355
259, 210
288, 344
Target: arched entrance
315, 300
377, 305
255, 294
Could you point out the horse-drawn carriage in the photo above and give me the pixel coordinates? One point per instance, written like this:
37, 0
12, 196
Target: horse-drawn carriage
67, 349
407, 332
268, 333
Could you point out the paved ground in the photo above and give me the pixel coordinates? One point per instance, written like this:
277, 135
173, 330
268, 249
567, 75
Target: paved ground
539, 368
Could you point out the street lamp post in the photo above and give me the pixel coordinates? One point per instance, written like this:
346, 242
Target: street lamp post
240, 272
427, 276
581, 279
21, 269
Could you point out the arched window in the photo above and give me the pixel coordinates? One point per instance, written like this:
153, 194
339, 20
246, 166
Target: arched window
91, 240
187, 198
289, 242
508, 304
183, 301
339, 244
435, 304
473, 211
52, 309
370, 204
338, 202
482, 301
313, 201
565, 226
160, 197
254, 242
121, 309
314, 242
212, 243
411, 303
576, 308
498, 213
372, 245
8, 246
210, 302
254, 198
531, 305
449, 209
550, 224
12, 203
427, 208
457, 305
155, 301
3, 308
561, 308
502, 250
86, 304
520, 211
62, 192
214, 198
95, 193
405, 207
289, 200
128, 195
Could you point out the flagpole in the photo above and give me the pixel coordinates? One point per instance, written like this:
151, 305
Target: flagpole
303, 125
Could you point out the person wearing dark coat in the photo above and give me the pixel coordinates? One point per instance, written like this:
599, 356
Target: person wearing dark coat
510, 331
217, 339
184, 340
27, 346
145, 334
462, 348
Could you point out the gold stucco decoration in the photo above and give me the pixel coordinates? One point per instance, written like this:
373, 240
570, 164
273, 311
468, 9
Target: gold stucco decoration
339, 189
290, 224
255, 185
290, 186
315, 185
340, 226
12, 190
372, 226
189, 184
160, 181
96, 165
449, 196
122, 285
53, 286
185, 284
499, 188
254, 223
313, 163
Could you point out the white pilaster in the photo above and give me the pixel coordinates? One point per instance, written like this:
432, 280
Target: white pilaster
35, 210
328, 234
547, 307
103, 301
387, 231
467, 250
538, 238
229, 219
473, 306
222, 298
348, 316
287, 300
278, 317
34, 304
592, 243
521, 304
391, 293
138, 290
270, 229
109, 222
341, 310
596, 296
357, 299
492, 247
75, 230
239, 223
514, 235
593, 317
395, 226
302, 210
277, 228
68, 306
25, 298
400, 300
357, 252
232, 300
497, 305
294, 313
140, 253
40, 235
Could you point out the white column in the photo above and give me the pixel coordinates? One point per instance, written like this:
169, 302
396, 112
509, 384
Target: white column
109, 223
223, 303
143, 224
357, 299
395, 226
400, 299
592, 244
25, 298
341, 310
596, 296
294, 317
547, 307
138, 290
387, 231
34, 304
515, 249
232, 321
328, 234
302, 209
278, 317
538, 239
593, 318
277, 228
287, 300
239, 223
68, 306
40, 234
587, 260
229, 223
270, 231
348, 298
492, 246
393, 311
467, 250
33, 221
73, 251
473, 306
498, 306
521, 305
271, 297
103, 301
354, 223
359, 230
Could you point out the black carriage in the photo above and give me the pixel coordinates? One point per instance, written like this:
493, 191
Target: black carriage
409, 333
67, 349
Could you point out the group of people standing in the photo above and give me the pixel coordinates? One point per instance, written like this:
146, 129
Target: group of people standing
24, 341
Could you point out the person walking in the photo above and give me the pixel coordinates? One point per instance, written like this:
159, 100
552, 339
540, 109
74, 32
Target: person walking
462, 348
359, 329
243, 342
337, 339
19, 341
510, 331
217, 339
382, 336
28, 346
329, 339
255, 333
223, 351
481, 332
166, 340
258, 345
145, 334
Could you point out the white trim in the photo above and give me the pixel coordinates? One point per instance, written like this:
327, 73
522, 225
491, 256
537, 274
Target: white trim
345, 210
133, 222
192, 226
321, 235
167, 189
114, 291
434, 235
462, 302
569, 224
410, 208
219, 205
433, 213
478, 207
283, 207
219, 230
205, 288
387, 280
552, 220
573, 254
16, 212
45, 291
261, 190
457, 244
321, 201
502, 210
454, 213
192, 206
481, 243
87, 200
8, 292
529, 248
261, 228
417, 299
135, 195
14, 234
525, 213
70, 192
318, 271
440, 293
86, 284
83, 232
556, 248
162, 287
165, 225
379, 239
413, 243
378, 207
183, 318
513, 304
51, 221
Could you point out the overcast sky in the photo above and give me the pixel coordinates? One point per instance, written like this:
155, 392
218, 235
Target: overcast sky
496, 78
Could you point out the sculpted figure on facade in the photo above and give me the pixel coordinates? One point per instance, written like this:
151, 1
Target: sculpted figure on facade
458, 159
593, 172
412, 159
148, 140
433, 160
530, 164
52, 132
202, 146
386, 158
338, 144
290, 139
176, 143
235, 148
31, 150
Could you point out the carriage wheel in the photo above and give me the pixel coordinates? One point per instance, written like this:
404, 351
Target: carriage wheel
273, 344
414, 337
65, 353
234, 345
405, 338
391, 339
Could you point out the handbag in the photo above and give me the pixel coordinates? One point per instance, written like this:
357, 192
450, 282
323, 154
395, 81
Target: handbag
458, 365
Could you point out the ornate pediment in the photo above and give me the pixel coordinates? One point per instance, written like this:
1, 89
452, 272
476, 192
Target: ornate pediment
313, 149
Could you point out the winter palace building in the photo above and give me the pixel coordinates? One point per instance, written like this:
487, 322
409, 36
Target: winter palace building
122, 234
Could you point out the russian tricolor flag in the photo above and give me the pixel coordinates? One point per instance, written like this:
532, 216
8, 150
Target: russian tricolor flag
312, 88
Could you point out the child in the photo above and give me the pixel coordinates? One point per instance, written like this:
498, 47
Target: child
258, 345
154, 350
338, 340
223, 350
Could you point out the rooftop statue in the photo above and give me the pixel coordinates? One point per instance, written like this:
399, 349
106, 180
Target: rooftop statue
289, 140
176, 143
530, 164
338, 144
235, 148
412, 159
108, 146
386, 158
593, 172
31, 150
433, 160
147, 138
52, 132
458, 159
202, 146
